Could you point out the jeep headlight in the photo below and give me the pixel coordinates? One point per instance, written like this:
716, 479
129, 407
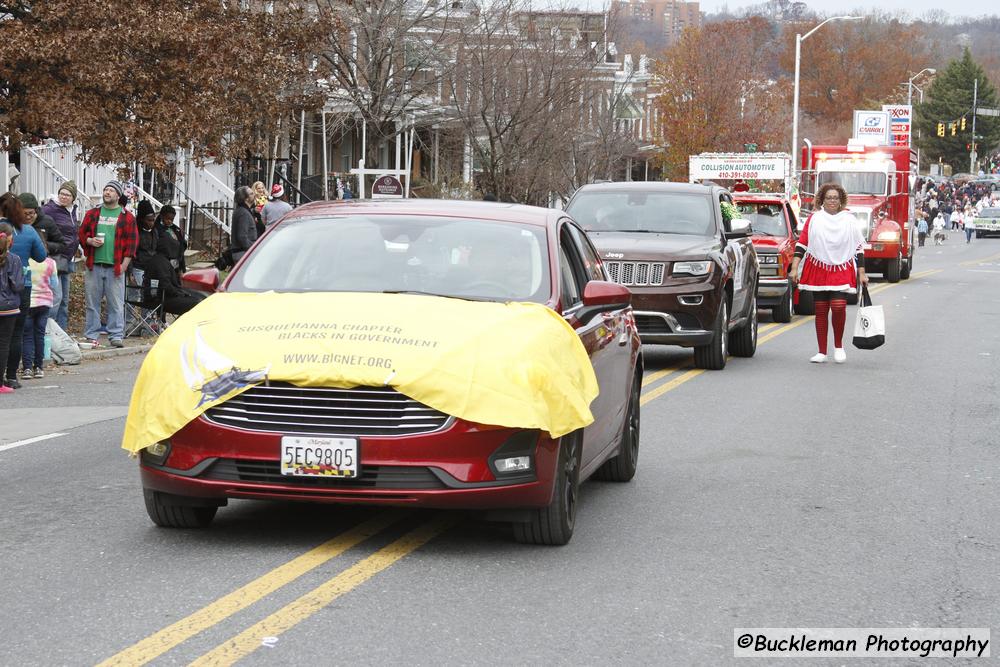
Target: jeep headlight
888, 236
691, 268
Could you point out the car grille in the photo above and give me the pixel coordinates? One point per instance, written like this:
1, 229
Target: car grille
636, 273
650, 324
769, 271
371, 477
362, 411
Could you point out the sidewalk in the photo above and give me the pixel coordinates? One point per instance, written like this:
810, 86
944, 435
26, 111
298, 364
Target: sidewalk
132, 346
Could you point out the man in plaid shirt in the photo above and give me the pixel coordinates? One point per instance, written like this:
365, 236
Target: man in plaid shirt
109, 237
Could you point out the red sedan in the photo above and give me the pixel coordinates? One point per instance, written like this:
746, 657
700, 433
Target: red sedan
408, 453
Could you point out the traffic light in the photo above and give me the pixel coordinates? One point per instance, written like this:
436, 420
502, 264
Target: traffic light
954, 129
963, 123
940, 129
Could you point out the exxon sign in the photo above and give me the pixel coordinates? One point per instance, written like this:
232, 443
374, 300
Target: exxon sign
872, 127
900, 122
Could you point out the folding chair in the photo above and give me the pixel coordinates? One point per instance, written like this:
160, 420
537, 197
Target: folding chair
146, 309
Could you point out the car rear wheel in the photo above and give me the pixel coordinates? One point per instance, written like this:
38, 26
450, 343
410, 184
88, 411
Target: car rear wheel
553, 525
783, 311
622, 466
713, 356
806, 305
743, 341
167, 512
893, 269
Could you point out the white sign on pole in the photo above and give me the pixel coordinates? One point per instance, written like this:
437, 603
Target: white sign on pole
982, 111
872, 127
900, 123
738, 166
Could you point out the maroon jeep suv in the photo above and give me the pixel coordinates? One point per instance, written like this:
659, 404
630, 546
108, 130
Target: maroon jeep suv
692, 271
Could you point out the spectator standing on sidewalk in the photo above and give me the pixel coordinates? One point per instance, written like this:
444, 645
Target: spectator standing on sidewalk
170, 239
50, 234
62, 210
109, 238
277, 207
148, 239
27, 246
244, 231
11, 285
33, 345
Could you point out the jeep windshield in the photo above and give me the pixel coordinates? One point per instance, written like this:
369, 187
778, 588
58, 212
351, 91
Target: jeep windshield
650, 212
453, 257
990, 213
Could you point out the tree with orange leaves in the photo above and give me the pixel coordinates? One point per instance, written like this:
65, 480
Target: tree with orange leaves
716, 93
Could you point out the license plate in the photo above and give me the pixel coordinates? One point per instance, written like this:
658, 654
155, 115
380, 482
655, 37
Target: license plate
868, 246
319, 457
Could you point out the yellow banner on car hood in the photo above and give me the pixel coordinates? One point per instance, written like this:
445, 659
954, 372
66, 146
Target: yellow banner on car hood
515, 364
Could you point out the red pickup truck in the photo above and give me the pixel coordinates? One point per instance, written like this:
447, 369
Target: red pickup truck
774, 229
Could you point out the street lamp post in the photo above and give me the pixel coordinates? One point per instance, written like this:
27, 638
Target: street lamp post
795, 99
910, 86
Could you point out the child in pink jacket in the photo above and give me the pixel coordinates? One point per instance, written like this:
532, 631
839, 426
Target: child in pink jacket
33, 343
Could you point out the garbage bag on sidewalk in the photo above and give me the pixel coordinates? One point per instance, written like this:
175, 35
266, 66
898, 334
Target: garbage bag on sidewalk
65, 350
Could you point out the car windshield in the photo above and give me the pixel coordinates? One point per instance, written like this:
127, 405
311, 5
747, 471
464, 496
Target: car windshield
660, 212
766, 219
462, 258
856, 182
990, 213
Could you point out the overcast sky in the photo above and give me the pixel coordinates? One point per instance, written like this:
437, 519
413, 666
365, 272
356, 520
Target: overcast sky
913, 7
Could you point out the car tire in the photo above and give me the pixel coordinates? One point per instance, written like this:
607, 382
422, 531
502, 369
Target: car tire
783, 311
979, 234
168, 514
743, 341
621, 467
893, 269
806, 305
712, 357
852, 299
553, 525
907, 267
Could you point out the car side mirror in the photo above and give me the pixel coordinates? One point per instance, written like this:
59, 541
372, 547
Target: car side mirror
201, 280
738, 228
600, 296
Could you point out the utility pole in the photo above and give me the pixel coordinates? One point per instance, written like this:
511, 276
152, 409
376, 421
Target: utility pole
972, 153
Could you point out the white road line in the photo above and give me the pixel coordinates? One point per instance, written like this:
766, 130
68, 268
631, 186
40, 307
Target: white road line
28, 441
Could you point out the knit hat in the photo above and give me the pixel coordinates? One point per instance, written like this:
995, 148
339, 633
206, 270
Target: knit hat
28, 200
277, 191
118, 187
145, 208
69, 186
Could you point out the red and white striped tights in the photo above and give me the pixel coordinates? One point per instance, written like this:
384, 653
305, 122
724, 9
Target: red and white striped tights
824, 304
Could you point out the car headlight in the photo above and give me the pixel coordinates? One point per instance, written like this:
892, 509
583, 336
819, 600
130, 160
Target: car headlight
768, 259
888, 236
691, 268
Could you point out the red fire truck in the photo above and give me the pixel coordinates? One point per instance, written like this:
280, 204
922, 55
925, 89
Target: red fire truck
879, 181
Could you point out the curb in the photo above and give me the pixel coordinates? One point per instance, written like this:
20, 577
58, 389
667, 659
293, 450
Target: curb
110, 353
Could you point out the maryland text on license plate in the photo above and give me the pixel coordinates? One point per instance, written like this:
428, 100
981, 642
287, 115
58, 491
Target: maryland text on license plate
326, 457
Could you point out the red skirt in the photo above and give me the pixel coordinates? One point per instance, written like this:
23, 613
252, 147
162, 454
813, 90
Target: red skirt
819, 277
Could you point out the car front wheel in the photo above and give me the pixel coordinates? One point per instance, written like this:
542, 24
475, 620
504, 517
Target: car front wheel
806, 305
172, 512
713, 356
783, 311
622, 466
553, 525
743, 341
893, 270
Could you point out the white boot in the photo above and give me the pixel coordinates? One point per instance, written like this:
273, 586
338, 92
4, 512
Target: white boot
819, 358
839, 355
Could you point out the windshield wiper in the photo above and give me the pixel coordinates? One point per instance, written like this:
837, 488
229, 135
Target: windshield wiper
422, 293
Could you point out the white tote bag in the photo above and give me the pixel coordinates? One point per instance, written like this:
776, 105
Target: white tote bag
869, 327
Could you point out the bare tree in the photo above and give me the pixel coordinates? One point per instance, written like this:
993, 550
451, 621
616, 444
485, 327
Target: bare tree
388, 61
520, 89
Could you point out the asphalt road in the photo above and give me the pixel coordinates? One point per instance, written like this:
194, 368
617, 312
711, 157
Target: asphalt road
775, 493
